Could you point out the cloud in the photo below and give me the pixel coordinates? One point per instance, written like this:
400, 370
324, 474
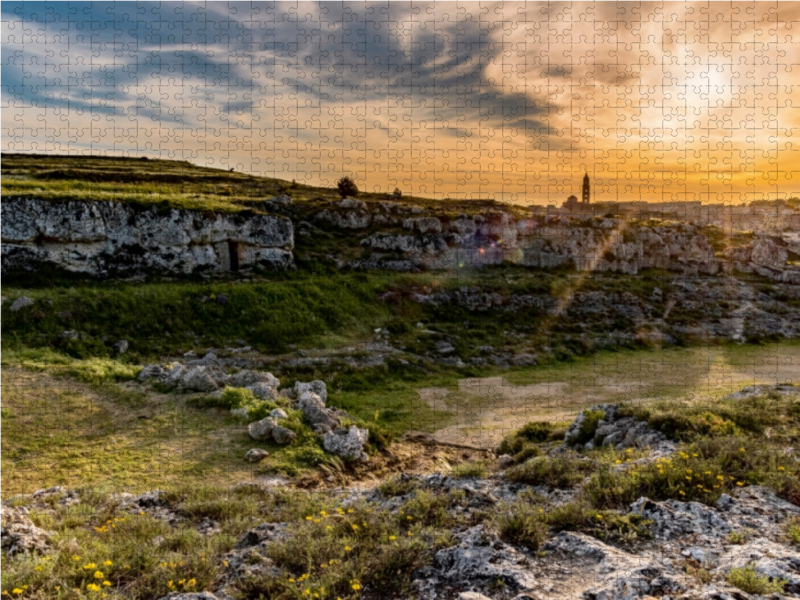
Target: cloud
542, 87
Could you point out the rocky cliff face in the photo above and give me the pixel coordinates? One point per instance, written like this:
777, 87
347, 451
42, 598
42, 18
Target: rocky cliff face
111, 238
397, 238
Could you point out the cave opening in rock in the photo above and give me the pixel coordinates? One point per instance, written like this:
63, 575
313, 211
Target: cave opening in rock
233, 254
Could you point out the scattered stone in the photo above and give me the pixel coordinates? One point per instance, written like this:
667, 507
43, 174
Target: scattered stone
248, 377
477, 559
317, 387
673, 519
615, 573
256, 455
240, 412
314, 410
278, 414
281, 200
222, 299
472, 596
282, 435
444, 347
348, 444
19, 535
121, 347
261, 430
524, 360
153, 371
613, 430
69, 334
506, 461
198, 379
66, 497
21, 303
263, 391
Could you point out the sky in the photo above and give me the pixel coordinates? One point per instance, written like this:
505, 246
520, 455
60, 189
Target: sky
512, 101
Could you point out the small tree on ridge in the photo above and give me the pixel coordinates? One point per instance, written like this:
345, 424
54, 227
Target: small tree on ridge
347, 187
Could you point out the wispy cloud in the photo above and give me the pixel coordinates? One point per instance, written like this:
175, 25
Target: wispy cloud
662, 100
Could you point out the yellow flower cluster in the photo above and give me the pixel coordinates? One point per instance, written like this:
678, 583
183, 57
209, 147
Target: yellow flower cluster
187, 584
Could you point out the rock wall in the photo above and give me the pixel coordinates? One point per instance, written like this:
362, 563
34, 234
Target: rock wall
112, 238
409, 237
607, 245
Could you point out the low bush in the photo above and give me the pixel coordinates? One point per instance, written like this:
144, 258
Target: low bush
792, 529
521, 524
465, 470
560, 472
397, 485
750, 581
521, 443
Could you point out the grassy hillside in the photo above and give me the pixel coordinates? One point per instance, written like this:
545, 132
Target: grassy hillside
179, 184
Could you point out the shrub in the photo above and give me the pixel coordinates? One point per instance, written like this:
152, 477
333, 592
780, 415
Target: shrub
347, 187
572, 516
737, 537
591, 418
536, 431
748, 580
792, 528
521, 524
520, 443
605, 525
397, 486
562, 472
470, 469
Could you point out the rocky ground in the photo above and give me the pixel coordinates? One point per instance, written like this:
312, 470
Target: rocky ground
526, 525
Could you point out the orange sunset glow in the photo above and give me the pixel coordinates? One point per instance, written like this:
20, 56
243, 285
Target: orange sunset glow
514, 100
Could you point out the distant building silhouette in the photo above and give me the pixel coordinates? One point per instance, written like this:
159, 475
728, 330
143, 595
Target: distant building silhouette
572, 203
585, 190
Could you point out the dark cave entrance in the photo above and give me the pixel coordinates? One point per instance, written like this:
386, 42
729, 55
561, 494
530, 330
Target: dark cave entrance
233, 254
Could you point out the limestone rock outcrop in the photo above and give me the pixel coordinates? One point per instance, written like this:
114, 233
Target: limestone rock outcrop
113, 238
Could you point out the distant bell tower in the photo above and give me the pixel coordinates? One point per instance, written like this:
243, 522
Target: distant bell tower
585, 190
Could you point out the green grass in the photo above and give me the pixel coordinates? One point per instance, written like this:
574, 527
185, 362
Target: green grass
59, 432
162, 318
180, 184
89, 370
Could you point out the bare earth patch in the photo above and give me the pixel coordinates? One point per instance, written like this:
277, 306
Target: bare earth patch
485, 410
